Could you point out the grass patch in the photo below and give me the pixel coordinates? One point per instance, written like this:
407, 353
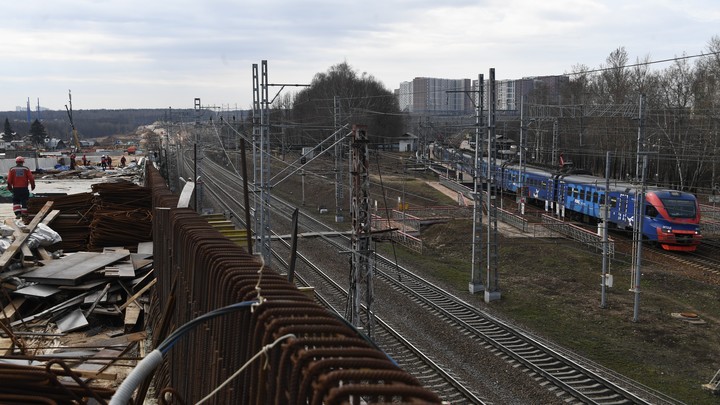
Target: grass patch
552, 287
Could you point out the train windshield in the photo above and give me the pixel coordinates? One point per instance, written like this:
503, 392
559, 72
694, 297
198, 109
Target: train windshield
679, 208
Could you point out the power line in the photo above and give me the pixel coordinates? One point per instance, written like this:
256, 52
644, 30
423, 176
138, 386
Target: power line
643, 63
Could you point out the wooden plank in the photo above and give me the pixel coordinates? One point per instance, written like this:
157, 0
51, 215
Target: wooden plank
27, 253
6, 346
43, 253
96, 375
114, 341
9, 253
70, 269
138, 294
50, 217
11, 309
132, 314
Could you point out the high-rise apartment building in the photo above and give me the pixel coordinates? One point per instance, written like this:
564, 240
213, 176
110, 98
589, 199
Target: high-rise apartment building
437, 96
447, 96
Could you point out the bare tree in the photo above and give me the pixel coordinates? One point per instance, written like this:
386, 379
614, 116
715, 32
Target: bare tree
675, 119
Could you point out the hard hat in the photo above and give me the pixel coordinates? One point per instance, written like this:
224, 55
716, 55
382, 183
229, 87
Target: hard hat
19, 159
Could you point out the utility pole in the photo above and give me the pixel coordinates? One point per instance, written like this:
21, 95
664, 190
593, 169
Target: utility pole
641, 136
361, 275
604, 280
492, 289
197, 168
521, 157
637, 239
339, 217
476, 284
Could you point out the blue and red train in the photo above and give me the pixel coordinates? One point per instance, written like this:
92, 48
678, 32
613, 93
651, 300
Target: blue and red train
671, 218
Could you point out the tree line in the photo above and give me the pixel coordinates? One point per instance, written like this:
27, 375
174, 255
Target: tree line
671, 113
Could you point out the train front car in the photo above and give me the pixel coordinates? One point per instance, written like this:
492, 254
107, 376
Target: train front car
672, 219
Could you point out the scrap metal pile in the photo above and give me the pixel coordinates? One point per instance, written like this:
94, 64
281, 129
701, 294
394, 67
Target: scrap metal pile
113, 214
72, 318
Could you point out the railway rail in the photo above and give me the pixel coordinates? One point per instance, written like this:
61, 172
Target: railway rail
574, 379
412, 359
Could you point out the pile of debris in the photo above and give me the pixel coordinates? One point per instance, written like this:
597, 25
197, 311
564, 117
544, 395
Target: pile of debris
75, 309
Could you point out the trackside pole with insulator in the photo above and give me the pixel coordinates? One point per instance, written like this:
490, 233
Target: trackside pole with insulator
476, 284
605, 241
339, 215
492, 288
637, 240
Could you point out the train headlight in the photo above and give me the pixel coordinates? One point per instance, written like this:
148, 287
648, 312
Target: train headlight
666, 229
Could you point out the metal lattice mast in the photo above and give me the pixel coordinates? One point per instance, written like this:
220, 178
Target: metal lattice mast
261, 160
476, 284
256, 147
492, 289
361, 276
339, 217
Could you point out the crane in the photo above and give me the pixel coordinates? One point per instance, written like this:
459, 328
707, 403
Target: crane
72, 123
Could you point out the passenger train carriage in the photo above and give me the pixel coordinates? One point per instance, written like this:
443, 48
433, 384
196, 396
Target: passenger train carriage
671, 218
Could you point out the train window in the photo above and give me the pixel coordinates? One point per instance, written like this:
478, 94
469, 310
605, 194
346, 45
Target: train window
651, 211
583, 193
569, 191
613, 202
602, 199
595, 197
576, 193
678, 208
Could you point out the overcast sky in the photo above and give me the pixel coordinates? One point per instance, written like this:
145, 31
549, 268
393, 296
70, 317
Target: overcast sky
160, 54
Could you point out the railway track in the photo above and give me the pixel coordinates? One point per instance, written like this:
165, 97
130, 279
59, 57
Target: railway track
409, 357
573, 379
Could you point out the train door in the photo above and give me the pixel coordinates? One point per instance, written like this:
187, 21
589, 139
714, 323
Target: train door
558, 194
549, 185
624, 216
562, 198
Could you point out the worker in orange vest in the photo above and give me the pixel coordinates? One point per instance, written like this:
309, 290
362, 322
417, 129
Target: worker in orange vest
18, 180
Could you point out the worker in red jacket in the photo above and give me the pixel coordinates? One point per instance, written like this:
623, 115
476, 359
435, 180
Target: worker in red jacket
18, 180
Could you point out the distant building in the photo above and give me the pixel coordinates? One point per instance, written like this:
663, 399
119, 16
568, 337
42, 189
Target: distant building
425, 95
436, 96
407, 142
54, 144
